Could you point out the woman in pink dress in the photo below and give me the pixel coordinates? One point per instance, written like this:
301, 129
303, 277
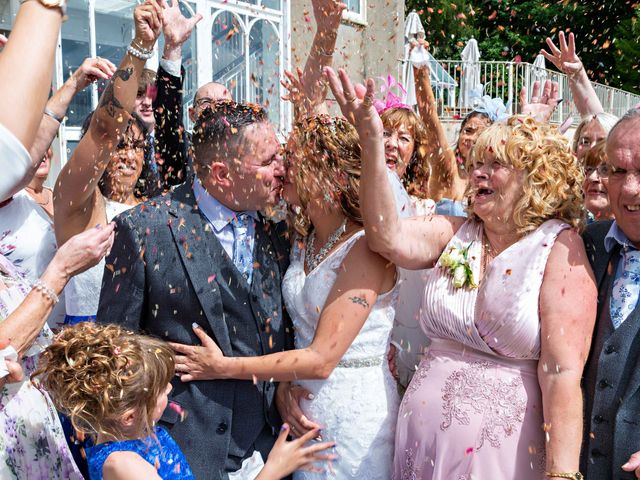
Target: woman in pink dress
510, 306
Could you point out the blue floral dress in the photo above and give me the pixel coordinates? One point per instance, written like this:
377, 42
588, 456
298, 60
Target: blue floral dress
162, 452
32, 444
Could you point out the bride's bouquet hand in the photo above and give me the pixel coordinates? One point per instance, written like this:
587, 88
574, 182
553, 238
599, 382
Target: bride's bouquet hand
356, 104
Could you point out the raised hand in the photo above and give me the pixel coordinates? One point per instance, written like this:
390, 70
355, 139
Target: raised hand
148, 23
356, 105
328, 14
91, 70
543, 104
177, 28
564, 58
84, 250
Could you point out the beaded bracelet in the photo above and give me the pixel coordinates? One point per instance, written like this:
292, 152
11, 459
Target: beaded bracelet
43, 288
142, 54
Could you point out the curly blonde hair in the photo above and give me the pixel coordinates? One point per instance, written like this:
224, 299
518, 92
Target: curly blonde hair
95, 373
553, 181
417, 173
330, 151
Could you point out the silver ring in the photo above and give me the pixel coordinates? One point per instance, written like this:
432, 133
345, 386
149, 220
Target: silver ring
350, 99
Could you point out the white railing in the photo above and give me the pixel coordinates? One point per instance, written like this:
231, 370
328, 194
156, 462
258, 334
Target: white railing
505, 79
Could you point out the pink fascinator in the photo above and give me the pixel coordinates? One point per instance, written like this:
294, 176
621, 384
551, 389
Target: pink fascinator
391, 99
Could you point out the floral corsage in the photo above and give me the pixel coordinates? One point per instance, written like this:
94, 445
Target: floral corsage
456, 260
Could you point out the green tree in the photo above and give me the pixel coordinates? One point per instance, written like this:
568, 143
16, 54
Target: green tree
607, 32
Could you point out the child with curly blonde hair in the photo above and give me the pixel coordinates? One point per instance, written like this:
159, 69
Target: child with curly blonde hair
113, 385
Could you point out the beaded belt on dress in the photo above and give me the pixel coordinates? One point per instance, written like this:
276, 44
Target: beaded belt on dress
361, 362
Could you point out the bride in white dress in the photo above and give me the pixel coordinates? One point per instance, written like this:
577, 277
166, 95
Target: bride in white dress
341, 297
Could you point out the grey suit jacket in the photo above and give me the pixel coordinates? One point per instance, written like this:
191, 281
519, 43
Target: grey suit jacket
612, 375
167, 270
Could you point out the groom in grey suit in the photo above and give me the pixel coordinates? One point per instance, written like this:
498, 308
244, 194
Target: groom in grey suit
611, 445
202, 256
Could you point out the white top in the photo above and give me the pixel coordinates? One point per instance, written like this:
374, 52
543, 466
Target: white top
15, 164
28, 240
83, 290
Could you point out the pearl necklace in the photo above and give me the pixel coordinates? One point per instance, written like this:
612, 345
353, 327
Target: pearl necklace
313, 260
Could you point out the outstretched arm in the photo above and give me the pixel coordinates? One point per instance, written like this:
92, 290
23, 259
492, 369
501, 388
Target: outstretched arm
409, 243
363, 276
92, 69
327, 14
567, 61
168, 107
27, 66
76, 199
444, 180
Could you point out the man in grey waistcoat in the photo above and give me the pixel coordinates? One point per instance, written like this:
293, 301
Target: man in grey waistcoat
611, 446
203, 256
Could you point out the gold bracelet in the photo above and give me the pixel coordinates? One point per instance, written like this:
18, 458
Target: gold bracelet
569, 475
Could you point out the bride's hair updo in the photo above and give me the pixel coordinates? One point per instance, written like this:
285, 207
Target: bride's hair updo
554, 176
328, 156
95, 373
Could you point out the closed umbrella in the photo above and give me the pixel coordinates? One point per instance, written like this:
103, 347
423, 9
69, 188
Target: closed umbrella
539, 70
413, 31
471, 87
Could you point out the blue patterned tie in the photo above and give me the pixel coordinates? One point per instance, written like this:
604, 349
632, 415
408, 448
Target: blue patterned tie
242, 252
626, 288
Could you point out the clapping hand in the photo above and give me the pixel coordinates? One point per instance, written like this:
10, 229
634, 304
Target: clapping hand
542, 105
355, 103
92, 70
564, 58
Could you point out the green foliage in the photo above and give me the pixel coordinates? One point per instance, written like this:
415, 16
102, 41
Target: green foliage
607, 32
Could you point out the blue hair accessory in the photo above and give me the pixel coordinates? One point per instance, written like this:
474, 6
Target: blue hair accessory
494, 108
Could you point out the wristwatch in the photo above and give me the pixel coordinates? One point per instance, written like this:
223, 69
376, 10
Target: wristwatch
61, 4
569, 475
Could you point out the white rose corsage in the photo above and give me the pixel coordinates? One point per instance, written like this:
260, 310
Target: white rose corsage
455, 259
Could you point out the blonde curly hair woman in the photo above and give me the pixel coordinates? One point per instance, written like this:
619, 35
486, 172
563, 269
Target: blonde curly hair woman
510, 306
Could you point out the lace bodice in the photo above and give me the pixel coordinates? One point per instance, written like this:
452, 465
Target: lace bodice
305, 296
500, 316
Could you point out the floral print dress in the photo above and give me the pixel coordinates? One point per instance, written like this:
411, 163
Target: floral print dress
32, 444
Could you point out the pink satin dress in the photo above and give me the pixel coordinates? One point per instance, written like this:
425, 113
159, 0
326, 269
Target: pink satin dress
474, 409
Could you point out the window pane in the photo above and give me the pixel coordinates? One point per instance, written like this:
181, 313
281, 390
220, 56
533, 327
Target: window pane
275, 4
114, 28
353, 5
6, 19
227, 35
75, 48
264, 68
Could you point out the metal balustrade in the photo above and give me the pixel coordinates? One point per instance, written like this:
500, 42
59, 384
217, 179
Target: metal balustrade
505, 80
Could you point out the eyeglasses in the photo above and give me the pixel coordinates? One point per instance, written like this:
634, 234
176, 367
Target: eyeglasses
603, 170
132, 145
203, 102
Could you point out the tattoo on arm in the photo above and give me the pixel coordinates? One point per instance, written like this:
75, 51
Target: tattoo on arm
108, 100
360, 301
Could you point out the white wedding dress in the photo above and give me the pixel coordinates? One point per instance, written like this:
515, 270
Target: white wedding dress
357, 405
